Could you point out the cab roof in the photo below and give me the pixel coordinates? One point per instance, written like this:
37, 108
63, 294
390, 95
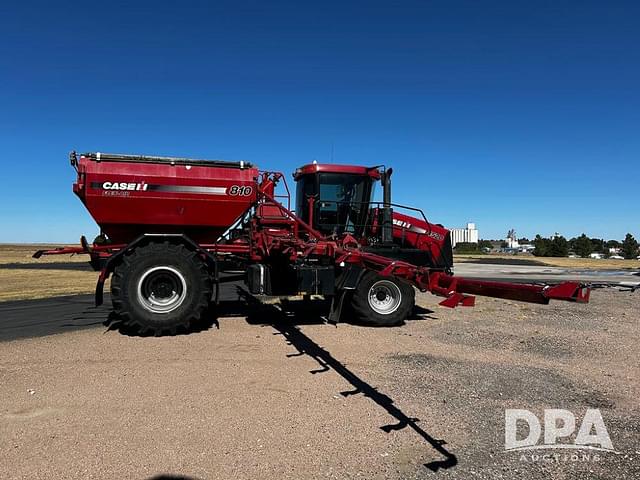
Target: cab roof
311, 168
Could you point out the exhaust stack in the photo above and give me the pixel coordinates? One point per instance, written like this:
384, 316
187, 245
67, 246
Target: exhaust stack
387, 211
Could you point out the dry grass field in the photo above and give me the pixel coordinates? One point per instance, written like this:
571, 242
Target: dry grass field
23, 277
560, 262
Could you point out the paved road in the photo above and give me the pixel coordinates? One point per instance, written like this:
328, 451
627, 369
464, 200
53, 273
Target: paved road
529, 273
48, 316
34, 318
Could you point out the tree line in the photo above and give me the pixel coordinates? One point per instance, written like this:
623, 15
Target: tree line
559, 246
583, 246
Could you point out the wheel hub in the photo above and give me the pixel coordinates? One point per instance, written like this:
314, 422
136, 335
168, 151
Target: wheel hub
162, 289
384, 297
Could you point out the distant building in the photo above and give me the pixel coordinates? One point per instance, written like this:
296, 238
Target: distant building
513, 246
464, 235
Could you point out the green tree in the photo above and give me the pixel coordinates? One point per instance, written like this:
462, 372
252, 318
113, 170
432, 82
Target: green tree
629, 247
597, 245
559, 247
466, 247
572, 244
583, 246
541, 246
613, 244
482, 244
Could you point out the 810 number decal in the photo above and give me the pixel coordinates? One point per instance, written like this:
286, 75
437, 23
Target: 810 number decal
240, 190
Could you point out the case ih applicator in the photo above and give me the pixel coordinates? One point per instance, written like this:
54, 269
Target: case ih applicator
171, 225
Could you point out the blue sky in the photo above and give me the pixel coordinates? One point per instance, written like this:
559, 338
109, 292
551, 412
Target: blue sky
511, 114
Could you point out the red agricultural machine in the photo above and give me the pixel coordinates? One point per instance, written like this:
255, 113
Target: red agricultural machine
170, 226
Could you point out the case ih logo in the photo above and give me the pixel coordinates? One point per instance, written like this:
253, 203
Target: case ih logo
124, 186
401, 224
407, 226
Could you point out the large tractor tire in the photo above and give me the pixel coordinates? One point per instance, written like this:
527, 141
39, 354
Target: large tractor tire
382, 301
160, 288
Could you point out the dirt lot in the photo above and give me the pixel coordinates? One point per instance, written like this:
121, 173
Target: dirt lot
267, 396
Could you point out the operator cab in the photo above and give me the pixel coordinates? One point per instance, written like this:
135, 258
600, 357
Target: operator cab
335, 199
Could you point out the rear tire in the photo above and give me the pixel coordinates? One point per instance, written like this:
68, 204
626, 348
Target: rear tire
382, 301
160, 288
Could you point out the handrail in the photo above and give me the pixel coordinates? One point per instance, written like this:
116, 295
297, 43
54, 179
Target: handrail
379, 205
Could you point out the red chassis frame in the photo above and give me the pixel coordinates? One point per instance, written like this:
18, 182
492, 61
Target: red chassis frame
275, 228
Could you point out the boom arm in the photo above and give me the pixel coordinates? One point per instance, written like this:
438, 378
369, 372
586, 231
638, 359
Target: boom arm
457, 290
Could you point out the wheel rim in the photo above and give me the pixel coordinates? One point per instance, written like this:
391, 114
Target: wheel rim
384, 297
162, 289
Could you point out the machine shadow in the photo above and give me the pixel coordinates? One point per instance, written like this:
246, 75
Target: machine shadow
238, 302
286, 323
297, 312
114, 323
286, 317
170, 477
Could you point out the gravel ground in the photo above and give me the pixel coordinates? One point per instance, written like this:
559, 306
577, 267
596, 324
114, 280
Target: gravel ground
273, 396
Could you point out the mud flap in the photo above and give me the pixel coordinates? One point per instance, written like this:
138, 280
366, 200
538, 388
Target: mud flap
337, 302
347, 281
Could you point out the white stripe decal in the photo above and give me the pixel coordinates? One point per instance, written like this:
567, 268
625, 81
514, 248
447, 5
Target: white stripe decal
189, 189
